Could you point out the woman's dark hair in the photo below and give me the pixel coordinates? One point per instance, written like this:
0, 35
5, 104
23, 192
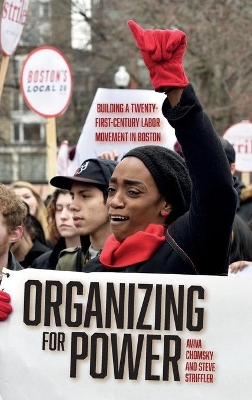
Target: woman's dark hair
241, 248
34, 229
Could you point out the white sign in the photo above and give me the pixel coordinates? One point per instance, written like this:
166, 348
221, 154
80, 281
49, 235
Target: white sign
46, 82
240, 136
246, 271
12, 22
122, 119
124, 336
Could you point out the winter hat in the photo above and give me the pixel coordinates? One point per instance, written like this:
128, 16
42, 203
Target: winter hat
170, 174
229, 150
96, 171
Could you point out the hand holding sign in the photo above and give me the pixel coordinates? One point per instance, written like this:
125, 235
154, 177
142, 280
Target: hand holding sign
5, 307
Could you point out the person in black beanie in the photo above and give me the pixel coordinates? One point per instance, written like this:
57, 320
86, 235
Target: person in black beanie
244, 198
171, 175
231, 156
169, 215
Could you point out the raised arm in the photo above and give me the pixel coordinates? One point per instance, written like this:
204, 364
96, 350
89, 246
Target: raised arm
207, 226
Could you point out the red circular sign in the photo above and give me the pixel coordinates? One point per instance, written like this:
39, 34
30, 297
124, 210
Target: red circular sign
46, 81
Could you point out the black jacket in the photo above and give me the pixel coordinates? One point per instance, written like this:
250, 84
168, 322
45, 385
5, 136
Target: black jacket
204, 232
49, 259
37, 249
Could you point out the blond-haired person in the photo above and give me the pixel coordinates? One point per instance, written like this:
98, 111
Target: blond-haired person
30, 195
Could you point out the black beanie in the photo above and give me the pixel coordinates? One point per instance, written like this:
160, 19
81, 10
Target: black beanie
229, 150
170, 174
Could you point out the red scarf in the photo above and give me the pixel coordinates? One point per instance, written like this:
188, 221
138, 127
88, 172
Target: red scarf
134, 249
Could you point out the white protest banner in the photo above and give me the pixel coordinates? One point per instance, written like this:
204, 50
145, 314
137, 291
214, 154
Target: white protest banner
13, 19
129, 336
122, 119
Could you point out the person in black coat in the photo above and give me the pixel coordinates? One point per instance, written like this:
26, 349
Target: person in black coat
241, 248
31, 244
244, 198
167, 215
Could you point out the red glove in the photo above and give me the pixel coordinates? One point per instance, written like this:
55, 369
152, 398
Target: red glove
5, 307
162, 52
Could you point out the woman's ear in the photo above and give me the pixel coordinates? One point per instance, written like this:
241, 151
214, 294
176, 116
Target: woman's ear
16, 234
168, 207
166, 210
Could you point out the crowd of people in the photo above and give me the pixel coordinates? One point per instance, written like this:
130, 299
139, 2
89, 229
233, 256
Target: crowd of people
155, 211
